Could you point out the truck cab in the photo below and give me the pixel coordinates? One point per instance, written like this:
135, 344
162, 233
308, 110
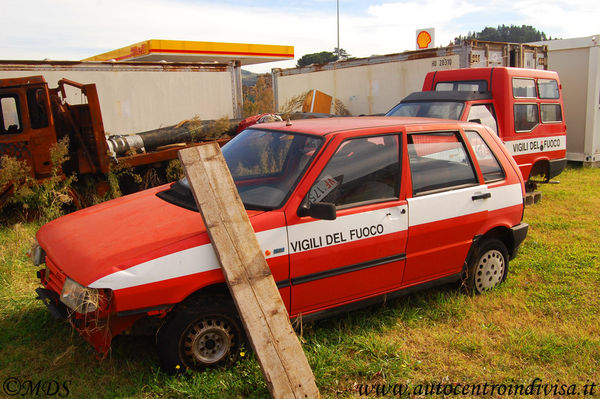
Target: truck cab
522, 106
26, 123
33, 118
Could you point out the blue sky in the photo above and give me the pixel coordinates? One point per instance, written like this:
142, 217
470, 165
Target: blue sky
76, 29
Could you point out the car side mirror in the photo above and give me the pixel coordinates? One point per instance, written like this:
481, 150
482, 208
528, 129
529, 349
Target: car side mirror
319, 210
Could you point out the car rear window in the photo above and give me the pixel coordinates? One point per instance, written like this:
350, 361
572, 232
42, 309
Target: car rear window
489, 165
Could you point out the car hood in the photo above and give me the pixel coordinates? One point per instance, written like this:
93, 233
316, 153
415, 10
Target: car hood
113, 236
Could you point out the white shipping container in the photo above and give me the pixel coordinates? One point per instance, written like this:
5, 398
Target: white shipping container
577, 62
140, 96
375, 84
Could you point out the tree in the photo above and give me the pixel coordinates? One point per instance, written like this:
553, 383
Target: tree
504, 33
323, 57
258, 99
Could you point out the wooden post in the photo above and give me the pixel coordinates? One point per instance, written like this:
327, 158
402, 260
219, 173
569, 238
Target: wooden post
267, 324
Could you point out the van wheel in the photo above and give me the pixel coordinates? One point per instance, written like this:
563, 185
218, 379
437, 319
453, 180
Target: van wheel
488, 267
204, 333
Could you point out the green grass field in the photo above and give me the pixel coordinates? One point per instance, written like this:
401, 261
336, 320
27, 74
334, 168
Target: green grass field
542, 323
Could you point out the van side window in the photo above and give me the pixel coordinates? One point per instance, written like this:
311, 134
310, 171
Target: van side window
11, 118
526, 117
464, 85
523, 88
489, 165
551, 113
38, 114
439, 161
483, 114
362, 169
548, 89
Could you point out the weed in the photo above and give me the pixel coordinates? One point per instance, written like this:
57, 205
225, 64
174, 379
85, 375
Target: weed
542, 322
293, 104
44, 199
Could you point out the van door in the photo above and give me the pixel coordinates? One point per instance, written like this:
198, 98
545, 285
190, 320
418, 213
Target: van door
362, 252
447, 207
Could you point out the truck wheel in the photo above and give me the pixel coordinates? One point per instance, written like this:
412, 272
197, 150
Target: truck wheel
206, 333
488, 267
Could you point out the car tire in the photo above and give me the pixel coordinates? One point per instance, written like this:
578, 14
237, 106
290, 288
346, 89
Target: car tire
203, 333
488, 266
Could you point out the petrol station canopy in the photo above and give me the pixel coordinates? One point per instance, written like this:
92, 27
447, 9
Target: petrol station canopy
193, 51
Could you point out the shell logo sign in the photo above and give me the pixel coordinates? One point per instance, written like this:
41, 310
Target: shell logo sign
425, 38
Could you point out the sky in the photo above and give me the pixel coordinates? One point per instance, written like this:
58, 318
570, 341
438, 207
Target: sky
77, 29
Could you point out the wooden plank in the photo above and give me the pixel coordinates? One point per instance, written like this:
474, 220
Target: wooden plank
267, 324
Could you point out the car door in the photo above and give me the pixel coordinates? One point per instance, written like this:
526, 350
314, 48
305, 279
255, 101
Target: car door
447, 207
361, 253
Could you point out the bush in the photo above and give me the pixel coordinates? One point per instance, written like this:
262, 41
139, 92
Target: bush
32, 199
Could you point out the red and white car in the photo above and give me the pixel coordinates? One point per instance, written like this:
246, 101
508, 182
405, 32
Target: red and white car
524, 107
348, 211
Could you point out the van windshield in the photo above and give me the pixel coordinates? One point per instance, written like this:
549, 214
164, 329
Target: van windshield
430, 109
265, 166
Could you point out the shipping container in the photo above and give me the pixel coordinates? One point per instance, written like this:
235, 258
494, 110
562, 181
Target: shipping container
375, 84
140, 96
577, 62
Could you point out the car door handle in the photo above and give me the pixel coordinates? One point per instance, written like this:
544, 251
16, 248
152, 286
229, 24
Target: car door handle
481, 196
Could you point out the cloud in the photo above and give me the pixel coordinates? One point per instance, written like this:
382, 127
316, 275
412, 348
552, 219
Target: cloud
75, 29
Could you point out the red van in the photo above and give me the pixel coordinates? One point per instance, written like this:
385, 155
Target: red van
348, 212
523, 107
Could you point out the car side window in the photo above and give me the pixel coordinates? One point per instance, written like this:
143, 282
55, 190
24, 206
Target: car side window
523, 88
526, 117
548, 88
11, 118
362, 170
489, 165
551, 113
439, 161
483, 114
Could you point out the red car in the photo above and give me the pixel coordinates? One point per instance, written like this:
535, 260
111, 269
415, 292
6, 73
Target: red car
523, 107
348, 211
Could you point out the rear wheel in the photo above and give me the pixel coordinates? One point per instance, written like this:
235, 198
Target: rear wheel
203, 333
488, 267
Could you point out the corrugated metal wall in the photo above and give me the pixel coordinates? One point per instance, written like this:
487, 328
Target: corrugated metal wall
135, 97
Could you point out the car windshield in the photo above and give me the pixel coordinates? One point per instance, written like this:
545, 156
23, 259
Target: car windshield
266, 165
430, 109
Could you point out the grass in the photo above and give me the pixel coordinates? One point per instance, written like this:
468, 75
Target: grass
543, 322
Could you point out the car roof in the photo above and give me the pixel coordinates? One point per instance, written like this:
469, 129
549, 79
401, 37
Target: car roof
447, 96
326, 126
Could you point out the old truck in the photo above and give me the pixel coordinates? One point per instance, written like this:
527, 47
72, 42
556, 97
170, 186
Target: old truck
33, 117
522, 106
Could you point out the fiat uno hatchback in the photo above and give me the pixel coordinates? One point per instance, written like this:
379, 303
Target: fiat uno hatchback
348, 212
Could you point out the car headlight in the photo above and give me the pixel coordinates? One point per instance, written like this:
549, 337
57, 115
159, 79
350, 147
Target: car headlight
37, 254
79, 298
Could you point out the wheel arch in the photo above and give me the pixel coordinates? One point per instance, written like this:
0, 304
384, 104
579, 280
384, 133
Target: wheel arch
216, 289
501, 233
541, 167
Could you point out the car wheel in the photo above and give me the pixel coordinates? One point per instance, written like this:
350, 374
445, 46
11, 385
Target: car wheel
488, 267
204, 333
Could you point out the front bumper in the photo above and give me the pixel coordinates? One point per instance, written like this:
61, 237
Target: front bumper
52, 302
98, 327
518, 232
